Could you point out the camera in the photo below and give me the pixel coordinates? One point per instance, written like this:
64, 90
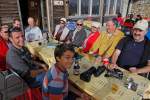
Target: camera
86, 76
99, 71
114, 73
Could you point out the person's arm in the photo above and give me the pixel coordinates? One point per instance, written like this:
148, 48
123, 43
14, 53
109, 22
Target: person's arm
82, 95
46, 80
114, 59
145, 69
17, 64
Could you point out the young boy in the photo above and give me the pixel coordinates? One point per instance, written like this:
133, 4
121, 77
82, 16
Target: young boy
55, 84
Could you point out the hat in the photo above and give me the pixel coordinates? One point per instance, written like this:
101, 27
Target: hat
142, 25
63, 19
96, 24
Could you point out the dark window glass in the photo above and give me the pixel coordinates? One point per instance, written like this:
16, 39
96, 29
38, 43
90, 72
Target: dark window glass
95, 7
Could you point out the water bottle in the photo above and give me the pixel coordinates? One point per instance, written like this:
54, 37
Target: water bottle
76, 69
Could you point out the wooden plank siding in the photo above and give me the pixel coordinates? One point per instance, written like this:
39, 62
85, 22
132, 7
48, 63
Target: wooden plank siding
58, 12
8, 11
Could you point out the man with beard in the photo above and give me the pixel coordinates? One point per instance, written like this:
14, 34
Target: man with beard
132, 53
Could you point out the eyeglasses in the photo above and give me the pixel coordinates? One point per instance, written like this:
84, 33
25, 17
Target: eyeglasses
79, 24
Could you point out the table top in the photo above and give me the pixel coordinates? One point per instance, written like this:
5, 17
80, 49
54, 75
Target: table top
100, 88
44, 52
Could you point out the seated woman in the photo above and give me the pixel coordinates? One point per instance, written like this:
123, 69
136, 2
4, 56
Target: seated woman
61, 31
89, 41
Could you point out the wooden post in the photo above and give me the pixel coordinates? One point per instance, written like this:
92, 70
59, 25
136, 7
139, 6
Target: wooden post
101, 11
48, 15
20, 17
66, 2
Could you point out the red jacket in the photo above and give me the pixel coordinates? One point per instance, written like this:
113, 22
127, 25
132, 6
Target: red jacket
3, 52
90, 41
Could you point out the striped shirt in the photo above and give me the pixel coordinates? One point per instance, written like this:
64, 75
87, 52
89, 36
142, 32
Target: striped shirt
55, 84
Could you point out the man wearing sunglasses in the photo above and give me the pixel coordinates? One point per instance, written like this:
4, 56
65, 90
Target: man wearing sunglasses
3, 47
77, 36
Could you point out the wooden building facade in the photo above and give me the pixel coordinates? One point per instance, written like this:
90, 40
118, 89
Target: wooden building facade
48, 12
8, 10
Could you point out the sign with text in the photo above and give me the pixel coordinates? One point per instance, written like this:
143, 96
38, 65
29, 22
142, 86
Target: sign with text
58, 3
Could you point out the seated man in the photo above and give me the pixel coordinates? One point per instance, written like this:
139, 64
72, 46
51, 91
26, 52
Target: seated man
105, 45
77, 36
3, 47
132, 53
61, 31
32, 32
19, 59
16, 23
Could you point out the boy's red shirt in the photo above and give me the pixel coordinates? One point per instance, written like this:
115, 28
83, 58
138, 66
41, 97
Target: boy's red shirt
3, 52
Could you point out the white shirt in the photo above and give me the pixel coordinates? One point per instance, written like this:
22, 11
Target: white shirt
33, 34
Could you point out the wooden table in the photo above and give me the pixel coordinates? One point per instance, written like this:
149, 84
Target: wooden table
99, 88
44, 52
102, 88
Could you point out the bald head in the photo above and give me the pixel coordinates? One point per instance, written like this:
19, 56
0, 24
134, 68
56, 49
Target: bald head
31, 21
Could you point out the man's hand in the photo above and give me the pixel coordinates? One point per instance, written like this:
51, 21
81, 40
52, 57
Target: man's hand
112, 66
133, 70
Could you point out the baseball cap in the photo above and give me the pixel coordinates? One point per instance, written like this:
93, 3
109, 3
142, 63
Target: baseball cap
142, 25
63, 19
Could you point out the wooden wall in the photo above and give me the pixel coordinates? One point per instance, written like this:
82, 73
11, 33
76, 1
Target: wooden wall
8, 10
58, 11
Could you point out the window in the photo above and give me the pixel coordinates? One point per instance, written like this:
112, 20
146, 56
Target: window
95, 7
112, 7
118, 8
84, 7
73, 7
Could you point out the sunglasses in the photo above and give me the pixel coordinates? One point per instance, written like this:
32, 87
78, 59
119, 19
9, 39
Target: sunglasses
79, 24
61, 22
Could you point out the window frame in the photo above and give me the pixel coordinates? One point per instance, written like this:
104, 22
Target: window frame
89, 9
107, 12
